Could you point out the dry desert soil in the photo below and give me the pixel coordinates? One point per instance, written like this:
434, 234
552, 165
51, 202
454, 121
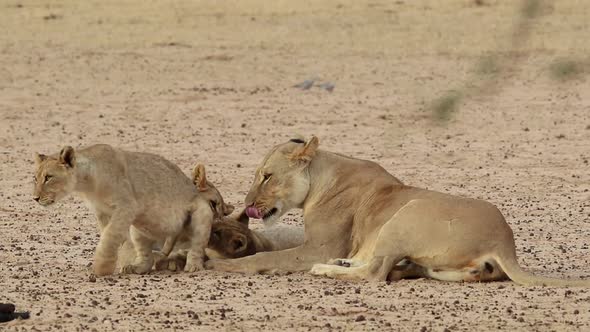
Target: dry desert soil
212, 81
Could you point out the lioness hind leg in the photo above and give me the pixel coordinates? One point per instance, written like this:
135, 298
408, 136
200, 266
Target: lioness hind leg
377, 269
406, 270
479, 270
144, 258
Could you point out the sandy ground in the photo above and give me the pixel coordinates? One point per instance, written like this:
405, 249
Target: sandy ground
212, 81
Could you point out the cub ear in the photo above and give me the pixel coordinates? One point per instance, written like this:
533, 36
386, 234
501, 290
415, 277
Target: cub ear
67, 156
238, 244
39, 158
307, 151
228, 209
243, 218
200, 178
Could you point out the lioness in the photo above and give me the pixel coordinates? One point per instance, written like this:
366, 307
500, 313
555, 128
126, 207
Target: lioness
355, 209
126, 189
231, 238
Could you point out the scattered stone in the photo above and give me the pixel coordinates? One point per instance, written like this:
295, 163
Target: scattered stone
305, 85
327, 86
51, 17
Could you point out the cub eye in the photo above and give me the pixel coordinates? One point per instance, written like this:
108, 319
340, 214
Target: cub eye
213, 205
48, 177
266, 177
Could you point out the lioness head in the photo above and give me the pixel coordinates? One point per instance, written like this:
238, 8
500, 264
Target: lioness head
54, 176
231, 238
208, 191
282, 180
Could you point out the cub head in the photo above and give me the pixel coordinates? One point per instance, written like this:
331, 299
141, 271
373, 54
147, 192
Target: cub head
282, 180
231, 238
208, 191
55, 176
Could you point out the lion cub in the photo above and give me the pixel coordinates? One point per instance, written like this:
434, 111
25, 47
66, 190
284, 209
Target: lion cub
128, 189
231, 238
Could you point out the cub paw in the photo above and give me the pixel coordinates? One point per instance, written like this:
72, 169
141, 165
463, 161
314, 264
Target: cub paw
135, 269
103, 268
191, 267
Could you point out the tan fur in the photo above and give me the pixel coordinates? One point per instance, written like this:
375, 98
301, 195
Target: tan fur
137, 196
231, 238
181, 241
209, 193
381, 228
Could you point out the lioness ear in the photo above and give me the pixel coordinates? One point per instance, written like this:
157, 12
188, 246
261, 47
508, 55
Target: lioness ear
200, 178
39, 158
238, 244
307, 151
228, 209
243, 218
67, 156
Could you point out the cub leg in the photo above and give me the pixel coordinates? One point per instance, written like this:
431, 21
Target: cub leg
162, 261
200, 229
111, 238
144, 258
176, 261
169, 245
103, 220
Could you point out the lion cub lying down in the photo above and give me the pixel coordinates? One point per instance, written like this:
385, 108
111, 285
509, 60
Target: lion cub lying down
138, 196
231, 238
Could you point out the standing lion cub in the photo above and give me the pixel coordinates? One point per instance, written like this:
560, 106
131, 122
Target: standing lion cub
127, 189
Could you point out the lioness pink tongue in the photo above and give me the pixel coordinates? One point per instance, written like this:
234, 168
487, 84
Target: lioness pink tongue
253, 212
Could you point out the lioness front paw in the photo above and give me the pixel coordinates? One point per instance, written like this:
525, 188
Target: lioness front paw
217, 264
321, 269
343, 262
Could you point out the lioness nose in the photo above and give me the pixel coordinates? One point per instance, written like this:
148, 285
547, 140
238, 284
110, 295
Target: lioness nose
36, 198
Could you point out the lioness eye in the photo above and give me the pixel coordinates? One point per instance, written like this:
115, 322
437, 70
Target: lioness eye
35, 179
266, 177
213, 205
48, 177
